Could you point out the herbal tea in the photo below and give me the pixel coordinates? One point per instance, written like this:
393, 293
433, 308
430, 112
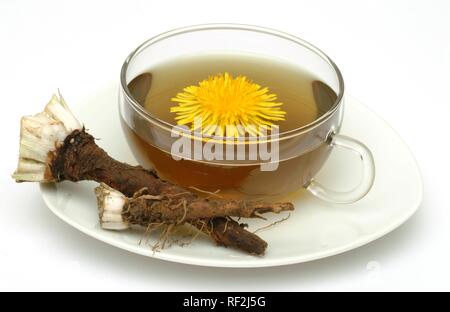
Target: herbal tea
291, 98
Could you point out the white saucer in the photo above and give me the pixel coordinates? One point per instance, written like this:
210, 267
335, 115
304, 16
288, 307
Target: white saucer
315, 230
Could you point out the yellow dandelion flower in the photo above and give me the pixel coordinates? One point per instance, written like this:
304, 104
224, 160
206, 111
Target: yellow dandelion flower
227, 105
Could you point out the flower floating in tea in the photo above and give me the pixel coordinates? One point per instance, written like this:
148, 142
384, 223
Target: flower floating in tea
228, 106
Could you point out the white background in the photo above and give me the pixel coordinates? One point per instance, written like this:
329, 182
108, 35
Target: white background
395, 58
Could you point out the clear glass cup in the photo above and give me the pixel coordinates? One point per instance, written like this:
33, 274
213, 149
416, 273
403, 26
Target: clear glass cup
302, 151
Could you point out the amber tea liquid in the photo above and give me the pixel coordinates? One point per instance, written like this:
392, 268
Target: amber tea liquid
305, 98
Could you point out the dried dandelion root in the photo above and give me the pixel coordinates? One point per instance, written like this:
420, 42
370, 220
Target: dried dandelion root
118, 212
229, 233
55, 147
144, 208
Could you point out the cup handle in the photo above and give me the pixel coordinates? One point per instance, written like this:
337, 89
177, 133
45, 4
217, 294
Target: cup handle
368, 176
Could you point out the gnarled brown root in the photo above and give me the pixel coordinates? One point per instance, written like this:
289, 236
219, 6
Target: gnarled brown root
144, 208
229, 233
118, 212
81, 159
55, 147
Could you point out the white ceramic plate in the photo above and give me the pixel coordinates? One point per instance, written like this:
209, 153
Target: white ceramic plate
315, 230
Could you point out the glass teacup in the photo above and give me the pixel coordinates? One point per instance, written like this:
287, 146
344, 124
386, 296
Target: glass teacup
301, 152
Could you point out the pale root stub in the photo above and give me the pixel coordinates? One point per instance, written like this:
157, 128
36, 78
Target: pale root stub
40, 135
111, 204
